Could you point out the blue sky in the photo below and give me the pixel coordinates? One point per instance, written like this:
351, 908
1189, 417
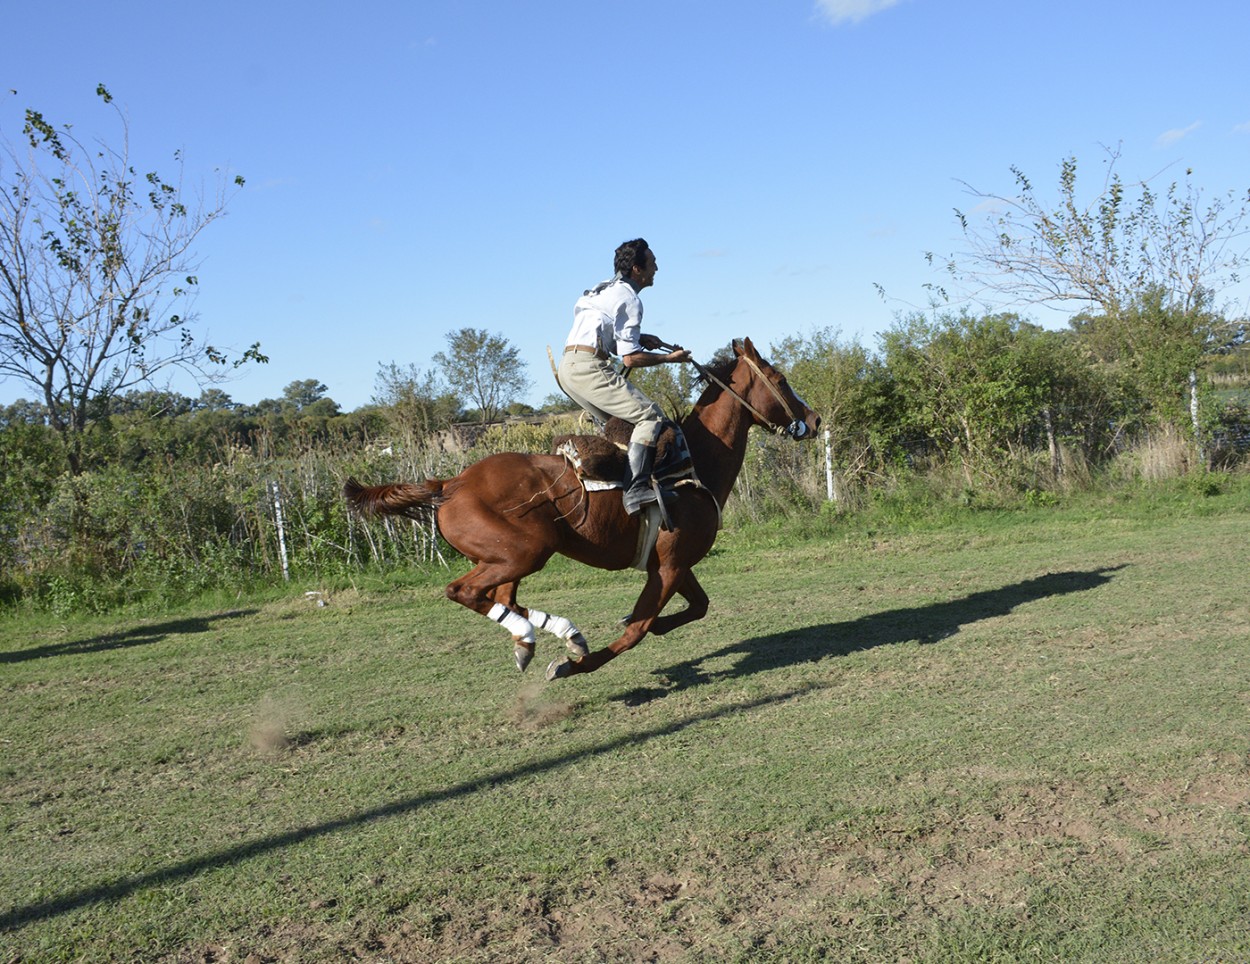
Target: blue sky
414, 168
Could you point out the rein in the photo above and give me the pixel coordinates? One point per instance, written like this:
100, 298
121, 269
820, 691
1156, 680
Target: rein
797, 428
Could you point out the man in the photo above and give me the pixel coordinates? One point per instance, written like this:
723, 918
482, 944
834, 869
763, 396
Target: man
607, 321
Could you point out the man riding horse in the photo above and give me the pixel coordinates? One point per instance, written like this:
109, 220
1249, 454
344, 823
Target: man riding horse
607, 321
511, 511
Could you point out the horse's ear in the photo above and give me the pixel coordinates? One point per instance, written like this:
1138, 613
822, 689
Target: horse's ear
736, 344
748, 348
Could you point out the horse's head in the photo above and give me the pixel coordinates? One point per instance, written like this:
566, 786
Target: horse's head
769, 396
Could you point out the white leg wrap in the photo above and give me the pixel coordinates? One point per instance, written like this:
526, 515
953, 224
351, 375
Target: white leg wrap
556, 625
513, 622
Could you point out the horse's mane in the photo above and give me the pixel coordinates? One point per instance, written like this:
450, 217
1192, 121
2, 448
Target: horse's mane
720, 369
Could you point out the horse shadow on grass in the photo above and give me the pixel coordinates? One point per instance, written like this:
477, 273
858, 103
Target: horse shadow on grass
810, 644
138, 636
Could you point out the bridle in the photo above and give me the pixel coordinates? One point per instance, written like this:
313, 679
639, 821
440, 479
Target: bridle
796, 429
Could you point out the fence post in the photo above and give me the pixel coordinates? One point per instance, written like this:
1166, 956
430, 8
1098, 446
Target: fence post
277, 512
1193, 414
829, 492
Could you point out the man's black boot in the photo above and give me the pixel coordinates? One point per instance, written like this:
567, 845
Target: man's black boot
638, 491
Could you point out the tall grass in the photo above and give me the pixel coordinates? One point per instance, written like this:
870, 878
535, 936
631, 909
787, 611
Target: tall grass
248, 518
1161, 455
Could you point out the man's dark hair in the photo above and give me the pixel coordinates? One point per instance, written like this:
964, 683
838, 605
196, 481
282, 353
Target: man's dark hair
629, 254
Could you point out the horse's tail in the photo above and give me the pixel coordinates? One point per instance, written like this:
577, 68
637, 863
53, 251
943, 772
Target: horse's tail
414, 500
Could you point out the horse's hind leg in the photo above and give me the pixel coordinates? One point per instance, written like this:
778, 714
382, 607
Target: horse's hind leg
485, 589
558, 626
478, 591
561, 628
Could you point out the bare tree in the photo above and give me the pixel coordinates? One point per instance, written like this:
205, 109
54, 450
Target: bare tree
1107, 252
94, 261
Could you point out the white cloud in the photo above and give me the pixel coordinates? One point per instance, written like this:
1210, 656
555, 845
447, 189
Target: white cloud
851, 11
1242, 128
990, 206
1168, 138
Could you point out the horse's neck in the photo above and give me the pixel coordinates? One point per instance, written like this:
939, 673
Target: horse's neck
716, 432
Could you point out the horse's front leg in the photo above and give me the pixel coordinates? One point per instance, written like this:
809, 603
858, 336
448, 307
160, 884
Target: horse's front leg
661, 584
696, 607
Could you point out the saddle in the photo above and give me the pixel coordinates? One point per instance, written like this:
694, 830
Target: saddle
601, 459
600, 462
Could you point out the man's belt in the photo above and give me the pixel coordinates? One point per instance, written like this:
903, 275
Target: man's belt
597, 352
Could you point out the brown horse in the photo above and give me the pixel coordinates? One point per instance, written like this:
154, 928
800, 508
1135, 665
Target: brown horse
509, 513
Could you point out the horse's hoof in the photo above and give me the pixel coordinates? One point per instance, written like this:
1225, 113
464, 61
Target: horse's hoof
578, 647
523, 655
559, 668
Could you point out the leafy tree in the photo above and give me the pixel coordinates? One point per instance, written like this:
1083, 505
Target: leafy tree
152, 402
487, 368
214, 400
317, 420
23, 412
269, 406
841, 382
299, 395
1154, 264
29, 464
304, 412
362, 424
94, 260
1149, 349
416, 405
557, 402
672, 387
978, 388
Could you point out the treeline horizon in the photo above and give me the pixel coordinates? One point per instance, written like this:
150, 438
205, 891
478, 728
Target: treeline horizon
175, 496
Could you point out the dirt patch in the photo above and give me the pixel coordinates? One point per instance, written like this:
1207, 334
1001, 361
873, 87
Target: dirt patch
1218, 789
754, 895
271, 727
535, 708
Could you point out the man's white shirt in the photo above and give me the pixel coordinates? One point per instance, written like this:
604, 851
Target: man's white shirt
608, 317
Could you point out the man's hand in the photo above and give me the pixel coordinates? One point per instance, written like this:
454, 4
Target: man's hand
675, 352
645, 359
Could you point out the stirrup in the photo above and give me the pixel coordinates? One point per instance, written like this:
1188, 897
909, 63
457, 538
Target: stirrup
637, 497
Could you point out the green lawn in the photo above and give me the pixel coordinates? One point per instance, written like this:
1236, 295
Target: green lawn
1017, 736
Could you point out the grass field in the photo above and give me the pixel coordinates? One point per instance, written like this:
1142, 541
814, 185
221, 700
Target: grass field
1010, 736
